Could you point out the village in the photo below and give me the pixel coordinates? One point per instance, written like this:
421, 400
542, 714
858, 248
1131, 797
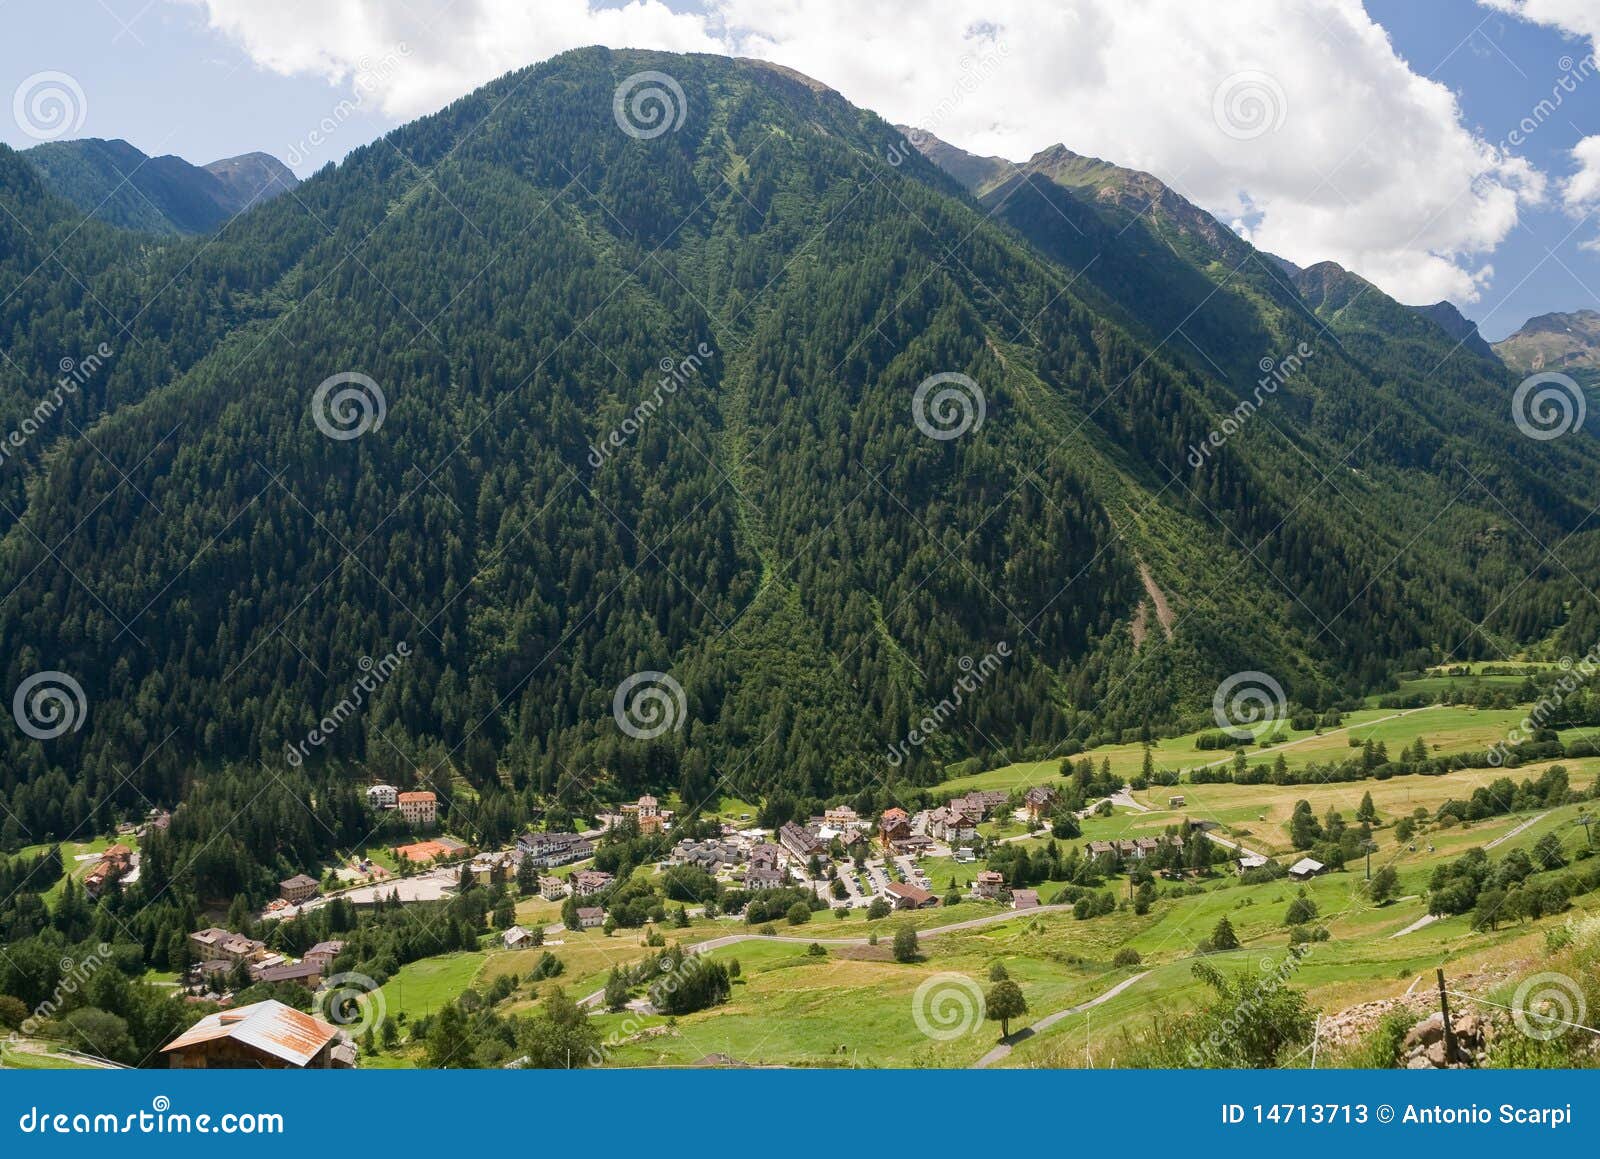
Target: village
846, 861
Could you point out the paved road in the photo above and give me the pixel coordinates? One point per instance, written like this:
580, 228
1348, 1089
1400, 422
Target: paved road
1429, 919
1124, 797
42, 1050
1045, 832
1050, 1020
1226, 843
733, 939
1289, 744
1523, 828
1420, 923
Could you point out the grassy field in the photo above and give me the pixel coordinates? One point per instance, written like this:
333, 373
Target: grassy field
857, 1007
12, 1058
420, 988
1258, 815
1446, 730
853, 1005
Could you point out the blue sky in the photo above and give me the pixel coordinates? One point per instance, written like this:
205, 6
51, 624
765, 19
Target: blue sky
211, 79
1500, 68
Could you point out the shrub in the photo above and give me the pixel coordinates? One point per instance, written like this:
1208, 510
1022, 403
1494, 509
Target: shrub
905, 944
1301, 910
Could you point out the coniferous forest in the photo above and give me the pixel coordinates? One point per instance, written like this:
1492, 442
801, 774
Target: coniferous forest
774, 530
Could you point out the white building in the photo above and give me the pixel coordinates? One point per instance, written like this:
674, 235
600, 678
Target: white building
382, 797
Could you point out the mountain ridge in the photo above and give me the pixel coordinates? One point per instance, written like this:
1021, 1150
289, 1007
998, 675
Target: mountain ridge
119, 184
1568, 340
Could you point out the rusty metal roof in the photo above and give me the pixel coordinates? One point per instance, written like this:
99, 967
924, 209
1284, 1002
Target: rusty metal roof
270, 1026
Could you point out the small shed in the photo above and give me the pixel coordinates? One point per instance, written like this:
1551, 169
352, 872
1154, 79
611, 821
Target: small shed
1307, 868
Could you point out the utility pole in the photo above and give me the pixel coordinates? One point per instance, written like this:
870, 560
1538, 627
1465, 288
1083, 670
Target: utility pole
1450, 1048
1586, 820
1370, 846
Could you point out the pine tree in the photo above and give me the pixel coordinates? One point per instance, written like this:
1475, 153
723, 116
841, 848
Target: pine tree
1222, 935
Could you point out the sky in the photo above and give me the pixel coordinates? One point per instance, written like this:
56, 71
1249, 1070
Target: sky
1440, 148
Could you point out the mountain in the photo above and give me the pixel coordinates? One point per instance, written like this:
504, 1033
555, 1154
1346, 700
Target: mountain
252, 177
122, 186
972, 171
648, 402
1566, 342
1463, 329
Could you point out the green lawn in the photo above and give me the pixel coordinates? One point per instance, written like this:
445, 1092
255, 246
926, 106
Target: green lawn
420, 988
13, 1059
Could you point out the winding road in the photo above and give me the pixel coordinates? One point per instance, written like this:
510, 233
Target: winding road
1520, 829
970, 924
1289, 744
993, 1056
1050, 1020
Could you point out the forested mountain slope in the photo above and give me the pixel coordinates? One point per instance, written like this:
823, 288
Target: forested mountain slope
1402, 417
518, 276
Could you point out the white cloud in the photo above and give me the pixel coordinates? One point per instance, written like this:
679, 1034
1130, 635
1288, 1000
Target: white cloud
1294, 116
1581, 191
451, 46
1580, 19
1574, 17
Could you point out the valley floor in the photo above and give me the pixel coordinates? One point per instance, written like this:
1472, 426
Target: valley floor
830, 992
